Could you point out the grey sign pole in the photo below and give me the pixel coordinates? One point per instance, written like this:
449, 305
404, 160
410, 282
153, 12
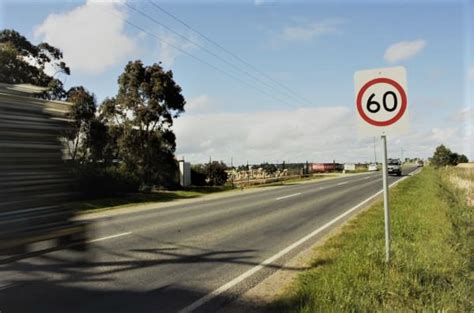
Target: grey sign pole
385, 200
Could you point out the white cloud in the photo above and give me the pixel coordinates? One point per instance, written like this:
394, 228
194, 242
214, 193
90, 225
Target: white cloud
404, 50
302, 134
312, 30
321, 134
201, 103
91, 36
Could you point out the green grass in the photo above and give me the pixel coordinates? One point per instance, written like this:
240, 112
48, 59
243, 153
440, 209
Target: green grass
431, 269
108, 203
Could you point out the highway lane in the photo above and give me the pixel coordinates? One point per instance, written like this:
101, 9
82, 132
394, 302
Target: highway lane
167, 259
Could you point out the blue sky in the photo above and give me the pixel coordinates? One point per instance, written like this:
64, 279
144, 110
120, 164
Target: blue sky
312, 47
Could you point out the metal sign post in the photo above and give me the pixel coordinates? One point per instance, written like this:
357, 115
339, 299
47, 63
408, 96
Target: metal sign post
386, 205
381, 106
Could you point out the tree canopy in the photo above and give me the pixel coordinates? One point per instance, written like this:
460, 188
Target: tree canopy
443, 156
213, 174
142, 112
22, 62
129, 135
78, 135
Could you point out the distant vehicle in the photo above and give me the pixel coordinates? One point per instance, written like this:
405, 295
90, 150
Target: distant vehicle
394, 167
373, 167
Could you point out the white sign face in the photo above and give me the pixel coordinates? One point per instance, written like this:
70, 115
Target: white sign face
381, 101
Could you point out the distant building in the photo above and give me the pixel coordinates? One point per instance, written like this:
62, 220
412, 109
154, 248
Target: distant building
184, 173
349, 167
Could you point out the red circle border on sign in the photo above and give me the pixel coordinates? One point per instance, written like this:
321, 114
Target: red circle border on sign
369, 84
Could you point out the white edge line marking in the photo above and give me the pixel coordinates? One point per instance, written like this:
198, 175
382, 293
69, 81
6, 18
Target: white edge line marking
294, 245
289, 196
343, 183
110, 237
6, 286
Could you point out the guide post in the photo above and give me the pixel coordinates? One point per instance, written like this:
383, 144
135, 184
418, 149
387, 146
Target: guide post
381, 104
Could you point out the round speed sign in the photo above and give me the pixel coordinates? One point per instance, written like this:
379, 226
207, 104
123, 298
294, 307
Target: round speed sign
381, 101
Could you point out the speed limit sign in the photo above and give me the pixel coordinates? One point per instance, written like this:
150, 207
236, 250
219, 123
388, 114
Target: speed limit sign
381, 101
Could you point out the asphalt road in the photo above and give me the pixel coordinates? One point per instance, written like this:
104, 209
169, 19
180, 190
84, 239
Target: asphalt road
193, 256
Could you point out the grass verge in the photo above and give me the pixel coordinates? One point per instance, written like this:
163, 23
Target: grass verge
431, 267
101, 204
110, 203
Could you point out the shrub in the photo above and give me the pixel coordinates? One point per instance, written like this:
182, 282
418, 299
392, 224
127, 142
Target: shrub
94, 181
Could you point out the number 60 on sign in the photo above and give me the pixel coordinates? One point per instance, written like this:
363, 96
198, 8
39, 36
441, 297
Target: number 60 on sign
381, 101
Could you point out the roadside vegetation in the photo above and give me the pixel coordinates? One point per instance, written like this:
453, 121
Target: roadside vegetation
133, 199
431, 267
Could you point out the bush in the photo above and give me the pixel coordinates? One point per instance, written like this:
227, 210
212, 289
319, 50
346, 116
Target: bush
198, 176
443, 156
211, 174
94, 181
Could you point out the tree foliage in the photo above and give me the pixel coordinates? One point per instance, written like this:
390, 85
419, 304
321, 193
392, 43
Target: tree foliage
82, 114
198, 175
129, 141
269, 168
443, 156
211, 174
141, 115
216, 173
22, 62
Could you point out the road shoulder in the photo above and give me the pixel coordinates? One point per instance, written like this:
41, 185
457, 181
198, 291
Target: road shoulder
257, 299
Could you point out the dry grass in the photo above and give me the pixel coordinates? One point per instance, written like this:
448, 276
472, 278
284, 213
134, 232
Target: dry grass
462, 178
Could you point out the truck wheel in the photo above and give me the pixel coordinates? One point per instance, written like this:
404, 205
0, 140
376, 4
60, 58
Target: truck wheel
76, 241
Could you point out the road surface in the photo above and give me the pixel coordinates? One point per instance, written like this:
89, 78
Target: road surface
197, 256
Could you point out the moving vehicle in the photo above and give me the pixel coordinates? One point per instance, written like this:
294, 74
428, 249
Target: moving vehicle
33, 178
394, 167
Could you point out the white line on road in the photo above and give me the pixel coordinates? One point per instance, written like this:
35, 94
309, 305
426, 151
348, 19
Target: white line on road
343, 183
193, 306
289, 196
3, 287
110, 237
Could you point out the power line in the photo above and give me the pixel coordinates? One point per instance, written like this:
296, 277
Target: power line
229, 52
198, 59
207, 50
